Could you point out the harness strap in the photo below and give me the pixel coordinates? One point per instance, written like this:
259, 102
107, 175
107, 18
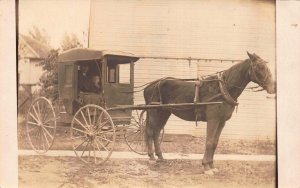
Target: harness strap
225, 92
198, 84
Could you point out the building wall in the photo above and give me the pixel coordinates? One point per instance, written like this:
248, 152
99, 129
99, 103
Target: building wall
29, 72
199, 29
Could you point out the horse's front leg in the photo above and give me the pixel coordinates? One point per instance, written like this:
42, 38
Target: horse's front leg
215, 144
211, 130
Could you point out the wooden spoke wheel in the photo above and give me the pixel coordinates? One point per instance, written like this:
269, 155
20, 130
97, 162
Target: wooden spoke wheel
135, 135
41, 125
93, 134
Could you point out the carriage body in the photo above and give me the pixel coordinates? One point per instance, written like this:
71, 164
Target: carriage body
116, 70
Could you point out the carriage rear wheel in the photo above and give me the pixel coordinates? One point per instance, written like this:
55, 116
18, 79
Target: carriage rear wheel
92, 134
41, 125
135, 135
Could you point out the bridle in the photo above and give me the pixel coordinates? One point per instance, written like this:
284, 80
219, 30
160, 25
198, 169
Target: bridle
252, 73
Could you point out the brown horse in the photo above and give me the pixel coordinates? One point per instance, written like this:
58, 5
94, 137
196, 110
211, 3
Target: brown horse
225, 87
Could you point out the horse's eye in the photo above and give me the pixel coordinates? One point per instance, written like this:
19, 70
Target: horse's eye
261, 71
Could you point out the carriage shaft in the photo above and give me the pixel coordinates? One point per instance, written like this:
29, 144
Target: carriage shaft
145, 107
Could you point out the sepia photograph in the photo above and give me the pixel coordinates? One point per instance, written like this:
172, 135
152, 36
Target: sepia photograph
142, 93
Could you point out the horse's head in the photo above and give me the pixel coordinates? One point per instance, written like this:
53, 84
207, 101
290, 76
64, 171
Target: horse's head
260, 73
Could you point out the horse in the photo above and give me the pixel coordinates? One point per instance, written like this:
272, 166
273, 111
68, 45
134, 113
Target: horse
224, 87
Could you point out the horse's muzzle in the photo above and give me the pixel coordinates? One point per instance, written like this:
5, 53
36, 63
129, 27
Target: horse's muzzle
271, 87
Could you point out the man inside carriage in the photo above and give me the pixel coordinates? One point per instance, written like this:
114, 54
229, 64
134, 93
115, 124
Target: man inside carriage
89, 86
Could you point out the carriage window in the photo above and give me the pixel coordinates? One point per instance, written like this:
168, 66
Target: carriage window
124, 73
111, 74
68, 75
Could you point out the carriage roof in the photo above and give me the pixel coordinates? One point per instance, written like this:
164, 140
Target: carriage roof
84, 54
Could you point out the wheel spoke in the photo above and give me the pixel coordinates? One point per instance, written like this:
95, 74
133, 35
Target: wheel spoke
99, 118
47, 132
38, 117
83, 117
32, 123
41, 139
94, 120
33, 117
51, 119
46, 139
46, 113
79, 130
131, 134
78, 137
103, 124
97, 145
104, 132
110, 141
101, 144
80, 144
94, 152
38, 107
48, 126
30, 130
85, 148
80, 123
134, 138
89, 151
89, 115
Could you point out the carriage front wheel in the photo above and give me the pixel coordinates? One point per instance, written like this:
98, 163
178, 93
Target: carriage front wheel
135, 135
92, 134
41, 125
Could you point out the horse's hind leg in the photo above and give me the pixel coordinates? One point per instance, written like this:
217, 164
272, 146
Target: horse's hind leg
156, 120
149, 136
163, 116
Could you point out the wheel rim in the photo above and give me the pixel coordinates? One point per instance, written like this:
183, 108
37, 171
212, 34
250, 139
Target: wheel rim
135, 135
41, 125
92, 134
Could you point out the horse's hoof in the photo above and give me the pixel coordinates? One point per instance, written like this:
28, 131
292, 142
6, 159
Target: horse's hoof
215, 170
159, 160
152, 161
209, 172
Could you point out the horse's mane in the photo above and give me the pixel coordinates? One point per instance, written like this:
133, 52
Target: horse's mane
234, 70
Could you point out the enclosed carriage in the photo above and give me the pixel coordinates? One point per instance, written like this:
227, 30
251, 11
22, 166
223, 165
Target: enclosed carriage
96, 119
115, 70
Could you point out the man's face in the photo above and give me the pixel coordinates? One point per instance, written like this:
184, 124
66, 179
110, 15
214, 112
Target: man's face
84, 68
96, 80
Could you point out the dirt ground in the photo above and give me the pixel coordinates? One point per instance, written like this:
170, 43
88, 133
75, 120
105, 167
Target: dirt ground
68, 172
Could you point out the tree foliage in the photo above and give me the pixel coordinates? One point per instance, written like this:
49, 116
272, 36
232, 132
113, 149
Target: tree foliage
49, 79
39, 35
70, 41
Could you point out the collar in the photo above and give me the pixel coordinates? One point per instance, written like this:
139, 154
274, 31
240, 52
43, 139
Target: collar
225, 92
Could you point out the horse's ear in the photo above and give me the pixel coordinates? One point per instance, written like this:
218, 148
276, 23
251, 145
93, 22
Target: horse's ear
251, 56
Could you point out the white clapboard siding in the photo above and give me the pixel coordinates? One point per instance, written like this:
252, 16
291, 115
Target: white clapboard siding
201, 29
